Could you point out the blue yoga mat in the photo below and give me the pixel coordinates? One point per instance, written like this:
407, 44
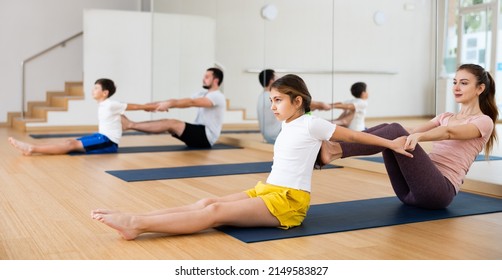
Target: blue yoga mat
195, 171
369, 213
166, 148
380, 159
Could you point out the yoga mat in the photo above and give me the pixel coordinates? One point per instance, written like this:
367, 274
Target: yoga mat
127, 133
239, 131
167, 148
76, 135
172, 148
369, 213
196, 171
380, 159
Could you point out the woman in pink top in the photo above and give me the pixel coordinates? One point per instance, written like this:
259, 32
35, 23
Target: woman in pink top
432, 180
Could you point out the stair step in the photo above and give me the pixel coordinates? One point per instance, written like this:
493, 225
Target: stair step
74, 88
55, 101
62, 101
19, 123
33, 104
40, 112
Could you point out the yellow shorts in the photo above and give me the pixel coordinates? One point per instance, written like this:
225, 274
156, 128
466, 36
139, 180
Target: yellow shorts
288, 205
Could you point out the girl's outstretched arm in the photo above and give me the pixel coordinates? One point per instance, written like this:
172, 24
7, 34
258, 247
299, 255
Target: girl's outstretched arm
348, 135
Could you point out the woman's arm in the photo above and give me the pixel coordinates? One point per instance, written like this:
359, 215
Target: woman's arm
422, 128
457, 132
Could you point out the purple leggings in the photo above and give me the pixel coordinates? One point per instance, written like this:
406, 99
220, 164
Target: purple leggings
416, 181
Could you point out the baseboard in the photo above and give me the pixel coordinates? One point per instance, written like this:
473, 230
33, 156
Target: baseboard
75, 128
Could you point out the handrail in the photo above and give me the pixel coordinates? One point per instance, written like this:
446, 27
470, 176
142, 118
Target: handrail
62, 44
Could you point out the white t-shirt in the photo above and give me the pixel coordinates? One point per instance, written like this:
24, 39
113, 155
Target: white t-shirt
358, 122
296, 149
269, 125
109, 118
211, 117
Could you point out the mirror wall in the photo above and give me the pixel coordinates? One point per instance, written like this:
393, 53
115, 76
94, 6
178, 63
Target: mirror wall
470, 32
331, 44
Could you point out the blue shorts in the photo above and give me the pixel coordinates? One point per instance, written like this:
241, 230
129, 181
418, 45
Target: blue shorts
98, 143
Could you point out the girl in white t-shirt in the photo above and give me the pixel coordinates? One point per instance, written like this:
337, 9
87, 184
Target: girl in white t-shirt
432, 180
281, 201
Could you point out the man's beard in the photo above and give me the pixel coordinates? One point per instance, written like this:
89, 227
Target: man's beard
205, 86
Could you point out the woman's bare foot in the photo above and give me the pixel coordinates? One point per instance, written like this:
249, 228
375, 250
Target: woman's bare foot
122, 223
330, 151
25, 148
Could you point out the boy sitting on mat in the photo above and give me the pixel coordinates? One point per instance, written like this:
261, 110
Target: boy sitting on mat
110, 127
354, 110
283, 200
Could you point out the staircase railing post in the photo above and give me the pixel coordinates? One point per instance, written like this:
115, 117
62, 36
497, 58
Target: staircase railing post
23, 94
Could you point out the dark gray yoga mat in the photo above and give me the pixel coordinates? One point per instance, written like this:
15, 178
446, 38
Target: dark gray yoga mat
165, 148
126, 133
369, 213
172, 148
195, 171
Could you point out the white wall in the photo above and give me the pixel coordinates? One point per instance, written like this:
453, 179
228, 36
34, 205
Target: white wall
303, 37
118, 45
183, 48
30, 26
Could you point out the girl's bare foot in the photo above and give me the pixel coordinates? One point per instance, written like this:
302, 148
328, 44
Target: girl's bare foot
25, 148
122, 223
330, 151
103, 211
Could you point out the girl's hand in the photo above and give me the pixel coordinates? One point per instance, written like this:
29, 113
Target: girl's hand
412, 141
399, 146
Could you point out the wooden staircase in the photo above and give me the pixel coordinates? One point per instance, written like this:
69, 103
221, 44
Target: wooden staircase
55, 101
58, 101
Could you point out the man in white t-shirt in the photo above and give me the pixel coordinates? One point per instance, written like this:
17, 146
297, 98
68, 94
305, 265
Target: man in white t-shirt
206, 128
354, 110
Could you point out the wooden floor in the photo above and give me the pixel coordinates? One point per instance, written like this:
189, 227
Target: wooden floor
45, 204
